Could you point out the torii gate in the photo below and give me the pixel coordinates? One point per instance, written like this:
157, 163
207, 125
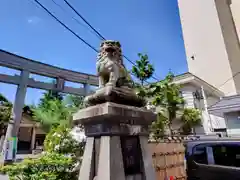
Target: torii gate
27, 66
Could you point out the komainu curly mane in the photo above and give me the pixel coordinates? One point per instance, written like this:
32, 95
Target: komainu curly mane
110, 67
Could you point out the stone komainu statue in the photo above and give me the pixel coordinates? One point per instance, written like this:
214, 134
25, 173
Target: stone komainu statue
110, 67
115, 83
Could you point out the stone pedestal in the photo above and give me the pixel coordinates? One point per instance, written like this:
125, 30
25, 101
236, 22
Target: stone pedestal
117, 142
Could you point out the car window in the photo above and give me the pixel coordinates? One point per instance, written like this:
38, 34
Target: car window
200, 154
226, 154
210, 155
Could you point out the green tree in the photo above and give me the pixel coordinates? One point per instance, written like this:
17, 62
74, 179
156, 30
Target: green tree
158, 127
56, 113
75, 101
191, 118
5, 115
166, 95
143, 69
53, 109
5, 109
49, 96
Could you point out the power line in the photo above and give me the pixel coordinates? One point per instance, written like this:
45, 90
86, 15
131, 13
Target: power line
229, 79
89, 45
97, 32
85, 42
237, 73
84, 20
65, 26
75, 19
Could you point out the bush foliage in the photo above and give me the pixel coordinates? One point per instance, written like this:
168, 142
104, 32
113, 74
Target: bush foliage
50, 166
59, 161
59, 140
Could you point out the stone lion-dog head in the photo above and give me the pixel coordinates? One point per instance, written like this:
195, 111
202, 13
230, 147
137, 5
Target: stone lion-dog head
111, 49
110, 67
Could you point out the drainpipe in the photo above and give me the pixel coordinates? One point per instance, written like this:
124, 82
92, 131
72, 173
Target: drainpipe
206, 108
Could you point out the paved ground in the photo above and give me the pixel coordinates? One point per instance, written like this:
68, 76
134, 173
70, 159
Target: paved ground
3, 177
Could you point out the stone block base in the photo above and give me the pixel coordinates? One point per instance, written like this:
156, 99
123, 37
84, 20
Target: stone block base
117, 142
117, 158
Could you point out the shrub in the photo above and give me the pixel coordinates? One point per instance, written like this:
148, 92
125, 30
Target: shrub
50, 166
60, 140
59, 161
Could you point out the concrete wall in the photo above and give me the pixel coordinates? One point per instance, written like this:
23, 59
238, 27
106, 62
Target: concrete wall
211, 43
235, 8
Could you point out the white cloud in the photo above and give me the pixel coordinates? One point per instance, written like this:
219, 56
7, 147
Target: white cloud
33, 20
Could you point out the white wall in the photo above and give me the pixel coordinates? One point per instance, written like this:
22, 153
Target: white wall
212, 100
187, 93
230, 36
208, 121
235, 8
210, 37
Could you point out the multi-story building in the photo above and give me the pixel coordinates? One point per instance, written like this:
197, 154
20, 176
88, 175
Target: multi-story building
211, 32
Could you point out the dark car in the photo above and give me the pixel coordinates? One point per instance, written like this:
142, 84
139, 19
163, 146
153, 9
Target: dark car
213, 159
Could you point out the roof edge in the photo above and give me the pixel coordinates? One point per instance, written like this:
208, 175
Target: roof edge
199, 79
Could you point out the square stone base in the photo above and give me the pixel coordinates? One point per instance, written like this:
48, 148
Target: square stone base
114, 113
117, 142
113, 158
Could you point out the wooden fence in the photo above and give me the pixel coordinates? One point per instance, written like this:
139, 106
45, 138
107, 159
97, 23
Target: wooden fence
168, 159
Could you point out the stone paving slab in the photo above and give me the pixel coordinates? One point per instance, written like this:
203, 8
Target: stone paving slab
3, 177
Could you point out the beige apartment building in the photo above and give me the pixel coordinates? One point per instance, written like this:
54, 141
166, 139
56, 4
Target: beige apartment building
211, 32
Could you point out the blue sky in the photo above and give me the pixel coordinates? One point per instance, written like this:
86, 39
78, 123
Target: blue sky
147, 26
